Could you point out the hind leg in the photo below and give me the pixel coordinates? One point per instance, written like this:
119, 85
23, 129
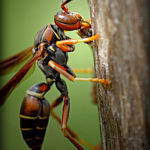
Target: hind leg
69, 130
61, 86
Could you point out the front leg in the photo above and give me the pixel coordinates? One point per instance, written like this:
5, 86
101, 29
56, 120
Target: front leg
64, 44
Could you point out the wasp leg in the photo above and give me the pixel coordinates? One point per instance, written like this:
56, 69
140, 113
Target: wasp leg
34, 115
62, 87
88, 70
70, 71
63, 71
55, 104
94, 87
64, 44
65, 116
72, 133
65, 47
103, 81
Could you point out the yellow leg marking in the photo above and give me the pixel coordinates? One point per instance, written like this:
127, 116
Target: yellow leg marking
90, 71
104, 81
75, 41
95, 37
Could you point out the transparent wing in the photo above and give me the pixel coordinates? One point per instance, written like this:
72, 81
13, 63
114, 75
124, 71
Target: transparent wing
12, 63
13, 82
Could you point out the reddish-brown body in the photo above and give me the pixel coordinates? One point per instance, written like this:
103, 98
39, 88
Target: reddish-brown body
50, 50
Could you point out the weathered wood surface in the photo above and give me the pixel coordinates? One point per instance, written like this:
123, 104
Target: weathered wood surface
122, 54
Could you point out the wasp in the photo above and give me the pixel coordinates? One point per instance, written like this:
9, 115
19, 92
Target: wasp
50, 51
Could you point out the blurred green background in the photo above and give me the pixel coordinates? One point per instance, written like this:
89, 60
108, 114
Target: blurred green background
21, 20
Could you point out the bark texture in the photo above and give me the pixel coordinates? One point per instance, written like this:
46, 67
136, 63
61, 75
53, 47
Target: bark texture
122, 55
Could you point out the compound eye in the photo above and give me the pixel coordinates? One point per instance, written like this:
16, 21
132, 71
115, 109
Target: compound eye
78, 16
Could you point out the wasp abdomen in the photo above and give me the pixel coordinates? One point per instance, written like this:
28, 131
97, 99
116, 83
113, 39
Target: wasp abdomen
34, 117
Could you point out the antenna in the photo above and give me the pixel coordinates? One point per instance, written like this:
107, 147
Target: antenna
63, 5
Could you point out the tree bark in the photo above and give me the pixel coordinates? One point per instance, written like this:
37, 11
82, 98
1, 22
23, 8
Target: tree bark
122, 55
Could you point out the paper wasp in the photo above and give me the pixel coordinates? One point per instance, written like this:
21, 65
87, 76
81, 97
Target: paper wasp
51, 55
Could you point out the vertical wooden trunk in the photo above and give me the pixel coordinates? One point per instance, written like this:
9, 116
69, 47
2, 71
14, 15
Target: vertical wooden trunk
122, 54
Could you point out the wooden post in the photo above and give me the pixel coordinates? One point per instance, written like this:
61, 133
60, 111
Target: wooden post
122, 54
